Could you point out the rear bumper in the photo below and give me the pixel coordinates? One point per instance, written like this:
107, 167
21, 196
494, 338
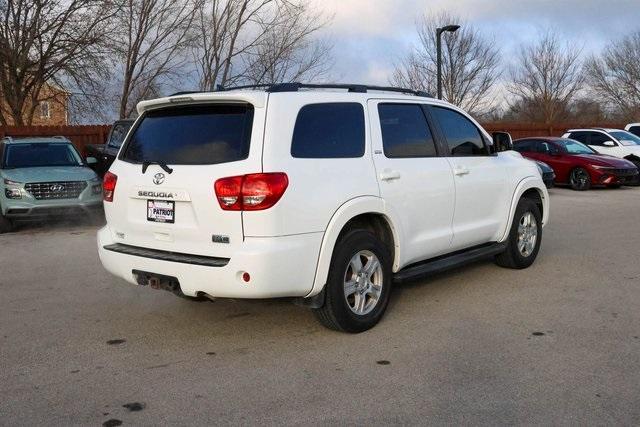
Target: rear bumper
279, 267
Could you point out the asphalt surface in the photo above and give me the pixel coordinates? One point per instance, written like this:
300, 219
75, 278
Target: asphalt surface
558, 343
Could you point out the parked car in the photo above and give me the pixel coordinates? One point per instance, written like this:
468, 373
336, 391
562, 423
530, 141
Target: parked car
547, 173
328, 198
614, 142
634, 128
45, 176
106, 153
576, 164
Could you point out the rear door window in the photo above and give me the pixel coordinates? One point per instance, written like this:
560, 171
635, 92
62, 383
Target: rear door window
192, 135
329, 130
597, 138
405, 131
580, 136
524, 146
461, 135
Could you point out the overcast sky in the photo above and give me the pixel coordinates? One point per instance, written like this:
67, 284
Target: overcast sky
369, 36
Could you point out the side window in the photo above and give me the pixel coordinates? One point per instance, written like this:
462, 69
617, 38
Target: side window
523, 146
462, 136
580, 136
329, 130
635, 130
598, 138
405, 131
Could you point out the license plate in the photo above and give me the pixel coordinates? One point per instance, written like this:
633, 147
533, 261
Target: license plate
161, 211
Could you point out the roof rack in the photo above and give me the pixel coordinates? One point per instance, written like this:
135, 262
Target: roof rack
295, 87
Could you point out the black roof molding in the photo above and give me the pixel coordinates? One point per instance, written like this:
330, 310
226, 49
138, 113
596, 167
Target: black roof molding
295, 87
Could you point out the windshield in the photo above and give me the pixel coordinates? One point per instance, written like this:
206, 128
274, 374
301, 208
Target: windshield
191, 135
118, 133
625, 138
574, 147
25, 155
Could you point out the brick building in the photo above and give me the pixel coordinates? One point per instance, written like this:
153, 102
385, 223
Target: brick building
53, 110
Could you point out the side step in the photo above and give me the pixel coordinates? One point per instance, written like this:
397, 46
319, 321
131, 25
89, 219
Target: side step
446, 262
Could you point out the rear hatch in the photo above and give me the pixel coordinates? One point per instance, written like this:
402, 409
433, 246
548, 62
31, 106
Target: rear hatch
164, 197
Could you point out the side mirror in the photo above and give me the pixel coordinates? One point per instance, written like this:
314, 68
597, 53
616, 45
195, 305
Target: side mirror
609, 144
91, 160
502, 142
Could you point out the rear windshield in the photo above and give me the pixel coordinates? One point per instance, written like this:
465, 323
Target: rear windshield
192, 135
24, 155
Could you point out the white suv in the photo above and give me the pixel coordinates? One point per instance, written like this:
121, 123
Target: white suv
324, 193
614, 142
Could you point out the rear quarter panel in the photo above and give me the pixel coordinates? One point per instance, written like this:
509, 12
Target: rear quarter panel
317, 187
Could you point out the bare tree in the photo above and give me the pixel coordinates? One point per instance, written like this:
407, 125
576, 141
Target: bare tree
470, 63
546, 79
150, 46
49, 42
223, 27
615, 76
255, 41
287, 50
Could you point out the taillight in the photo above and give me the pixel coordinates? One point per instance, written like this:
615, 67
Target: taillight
253, 192
109, 186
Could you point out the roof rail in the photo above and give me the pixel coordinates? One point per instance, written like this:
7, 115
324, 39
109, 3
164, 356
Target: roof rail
295, 86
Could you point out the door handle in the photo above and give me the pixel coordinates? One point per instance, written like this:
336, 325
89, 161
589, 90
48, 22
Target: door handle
389, 175
461, 170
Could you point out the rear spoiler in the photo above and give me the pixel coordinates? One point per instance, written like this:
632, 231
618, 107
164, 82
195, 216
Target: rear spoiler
257, 99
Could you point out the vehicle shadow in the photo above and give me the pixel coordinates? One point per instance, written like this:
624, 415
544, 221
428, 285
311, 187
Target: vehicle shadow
59, 223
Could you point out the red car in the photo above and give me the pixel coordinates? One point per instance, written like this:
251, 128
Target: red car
576, 164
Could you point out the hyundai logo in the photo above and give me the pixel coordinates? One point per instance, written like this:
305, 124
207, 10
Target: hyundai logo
158, 178
56, 188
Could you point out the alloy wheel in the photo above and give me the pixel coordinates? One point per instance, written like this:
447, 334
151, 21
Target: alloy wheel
363, 281
527, 234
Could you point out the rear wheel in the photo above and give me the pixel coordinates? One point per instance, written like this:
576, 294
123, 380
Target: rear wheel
579, 179
358, 286
524, 238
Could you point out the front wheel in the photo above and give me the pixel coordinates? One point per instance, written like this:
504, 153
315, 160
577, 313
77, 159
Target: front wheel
524, 238
6, 225
579, 179
358, 286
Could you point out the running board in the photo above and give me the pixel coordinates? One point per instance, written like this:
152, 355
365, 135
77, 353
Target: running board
448, 262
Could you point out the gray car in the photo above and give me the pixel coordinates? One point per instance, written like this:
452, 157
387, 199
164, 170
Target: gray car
45, 176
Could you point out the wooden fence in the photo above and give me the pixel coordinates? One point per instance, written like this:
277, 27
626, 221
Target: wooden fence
97, 134
81, 136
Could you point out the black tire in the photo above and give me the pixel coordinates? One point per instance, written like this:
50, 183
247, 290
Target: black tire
513, 257
579, 179
336, 313
6, 225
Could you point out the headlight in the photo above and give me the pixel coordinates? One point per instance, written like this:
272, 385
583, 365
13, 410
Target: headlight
96, 188
12, 193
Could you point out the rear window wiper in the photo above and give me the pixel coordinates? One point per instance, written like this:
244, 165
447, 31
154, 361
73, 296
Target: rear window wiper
163, 165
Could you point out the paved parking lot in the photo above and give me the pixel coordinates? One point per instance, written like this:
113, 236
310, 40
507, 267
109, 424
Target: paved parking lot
557, 343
